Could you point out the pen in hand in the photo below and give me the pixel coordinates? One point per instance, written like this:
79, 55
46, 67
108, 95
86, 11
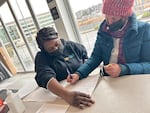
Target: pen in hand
69, 73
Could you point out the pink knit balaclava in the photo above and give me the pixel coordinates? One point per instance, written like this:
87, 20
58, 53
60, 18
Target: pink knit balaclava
118, 7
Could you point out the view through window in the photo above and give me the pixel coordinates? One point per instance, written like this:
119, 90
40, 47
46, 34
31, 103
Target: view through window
88, 15
20, 39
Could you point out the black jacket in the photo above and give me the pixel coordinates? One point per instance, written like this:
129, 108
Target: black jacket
47, 66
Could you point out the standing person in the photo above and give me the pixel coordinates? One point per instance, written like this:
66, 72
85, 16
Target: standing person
57, 59
122, 43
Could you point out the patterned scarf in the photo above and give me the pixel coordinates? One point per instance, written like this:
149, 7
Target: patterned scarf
118, 34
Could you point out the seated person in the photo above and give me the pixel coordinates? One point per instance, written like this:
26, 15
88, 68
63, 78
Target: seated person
56, 60
122, 43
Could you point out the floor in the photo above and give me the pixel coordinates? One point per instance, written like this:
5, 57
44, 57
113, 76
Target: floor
16, 81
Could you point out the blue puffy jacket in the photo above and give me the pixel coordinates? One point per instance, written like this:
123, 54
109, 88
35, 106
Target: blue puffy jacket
135, 48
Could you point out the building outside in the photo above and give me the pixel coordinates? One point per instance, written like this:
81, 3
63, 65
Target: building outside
30, 31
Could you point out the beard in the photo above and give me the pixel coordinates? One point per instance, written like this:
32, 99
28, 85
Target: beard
59, 51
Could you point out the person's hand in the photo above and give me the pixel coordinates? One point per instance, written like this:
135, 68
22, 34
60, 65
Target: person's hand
79, 99
112, 69
73, 78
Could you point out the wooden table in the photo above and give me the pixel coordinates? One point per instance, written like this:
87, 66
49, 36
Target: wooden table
128, 94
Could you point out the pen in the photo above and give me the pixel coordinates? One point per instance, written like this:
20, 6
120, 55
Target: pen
69, 73
101, 69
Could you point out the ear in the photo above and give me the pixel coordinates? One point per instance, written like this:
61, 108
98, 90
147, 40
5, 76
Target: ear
39, 43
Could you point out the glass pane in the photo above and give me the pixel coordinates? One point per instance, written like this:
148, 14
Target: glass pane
42, 12
88, 17
142, 9
26, 21
29, 30
9, 22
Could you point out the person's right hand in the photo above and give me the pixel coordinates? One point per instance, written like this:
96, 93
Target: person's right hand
79, 99
113, 69
73, 78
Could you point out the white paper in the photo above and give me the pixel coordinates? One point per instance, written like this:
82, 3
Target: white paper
53, 108
86, 85
41, 95
27, 88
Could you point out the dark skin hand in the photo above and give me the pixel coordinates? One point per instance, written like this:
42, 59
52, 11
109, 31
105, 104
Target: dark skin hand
74, 98
79, 99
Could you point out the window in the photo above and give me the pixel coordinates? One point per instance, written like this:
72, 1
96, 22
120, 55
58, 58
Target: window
89, 17
23, 48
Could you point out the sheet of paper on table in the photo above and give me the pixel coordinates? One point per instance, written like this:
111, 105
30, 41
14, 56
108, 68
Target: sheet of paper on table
53, 108
41, 95
27, 88
86, 85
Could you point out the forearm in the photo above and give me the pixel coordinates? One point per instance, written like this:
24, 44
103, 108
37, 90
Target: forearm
135, 68
84, 70
55, 87
139, 68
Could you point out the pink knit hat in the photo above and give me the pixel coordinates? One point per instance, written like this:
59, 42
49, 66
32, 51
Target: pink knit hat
118, 7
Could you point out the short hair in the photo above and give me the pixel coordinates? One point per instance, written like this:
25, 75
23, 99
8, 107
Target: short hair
44, 34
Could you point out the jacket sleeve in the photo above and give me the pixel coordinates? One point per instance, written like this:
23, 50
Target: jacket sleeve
143, 67
43, 71
92, 62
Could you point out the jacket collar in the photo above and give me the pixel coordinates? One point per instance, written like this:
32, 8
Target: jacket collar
133, 23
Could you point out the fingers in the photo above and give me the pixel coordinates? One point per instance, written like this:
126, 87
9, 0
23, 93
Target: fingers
85, 104
112, 69
79, 99
86, 101
69, 79
73, 79
82, 100
108, 67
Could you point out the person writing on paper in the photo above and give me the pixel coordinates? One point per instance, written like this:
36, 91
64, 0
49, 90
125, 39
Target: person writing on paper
56, 60
122, 43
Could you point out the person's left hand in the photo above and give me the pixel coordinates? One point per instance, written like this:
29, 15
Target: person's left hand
112, 69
